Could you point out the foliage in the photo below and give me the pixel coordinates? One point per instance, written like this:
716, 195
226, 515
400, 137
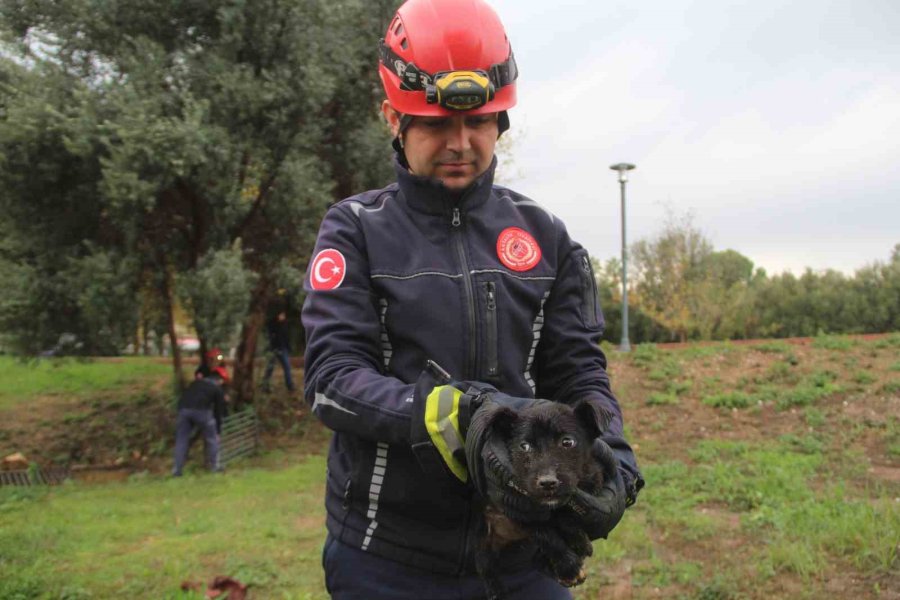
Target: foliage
160, 145
680, 288
218, 291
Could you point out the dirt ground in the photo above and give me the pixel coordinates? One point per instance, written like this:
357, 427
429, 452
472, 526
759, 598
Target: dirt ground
115, 434
861, 413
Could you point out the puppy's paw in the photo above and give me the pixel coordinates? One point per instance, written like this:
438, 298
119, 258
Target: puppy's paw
577, 580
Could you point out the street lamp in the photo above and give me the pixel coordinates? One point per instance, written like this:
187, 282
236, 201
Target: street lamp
623, 168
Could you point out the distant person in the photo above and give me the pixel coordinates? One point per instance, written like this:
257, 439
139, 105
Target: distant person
202, 405
212, 359
279, 337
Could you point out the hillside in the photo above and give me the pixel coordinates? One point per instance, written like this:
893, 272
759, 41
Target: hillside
773, 471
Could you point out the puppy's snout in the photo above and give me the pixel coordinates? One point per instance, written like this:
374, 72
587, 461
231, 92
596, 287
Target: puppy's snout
548, 483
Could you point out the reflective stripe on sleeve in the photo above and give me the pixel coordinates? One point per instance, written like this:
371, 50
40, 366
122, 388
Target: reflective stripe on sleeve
442, 424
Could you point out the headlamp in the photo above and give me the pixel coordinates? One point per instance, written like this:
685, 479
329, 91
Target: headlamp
460, 90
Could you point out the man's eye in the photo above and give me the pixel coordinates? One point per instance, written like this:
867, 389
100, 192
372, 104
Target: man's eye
568, 442
525, 446
434, 123
479, 120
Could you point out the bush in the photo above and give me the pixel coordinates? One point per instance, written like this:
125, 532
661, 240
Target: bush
729, 400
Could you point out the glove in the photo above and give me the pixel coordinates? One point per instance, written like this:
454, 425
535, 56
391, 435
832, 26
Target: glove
599, 513
440, 418
489, 462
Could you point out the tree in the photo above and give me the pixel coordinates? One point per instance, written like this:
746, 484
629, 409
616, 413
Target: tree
665, 268
218, 133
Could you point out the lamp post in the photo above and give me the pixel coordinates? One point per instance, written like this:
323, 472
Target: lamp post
623, 168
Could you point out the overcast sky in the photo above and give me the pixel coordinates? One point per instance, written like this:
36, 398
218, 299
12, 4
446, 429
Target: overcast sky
776, 122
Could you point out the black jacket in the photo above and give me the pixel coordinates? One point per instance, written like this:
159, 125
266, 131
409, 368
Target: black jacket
205, 394
490, 286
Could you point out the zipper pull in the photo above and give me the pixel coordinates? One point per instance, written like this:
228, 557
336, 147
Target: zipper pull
585, 265
491, 300
456, 220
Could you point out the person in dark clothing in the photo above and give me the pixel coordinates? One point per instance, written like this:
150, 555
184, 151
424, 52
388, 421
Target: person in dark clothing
202, 405
279, 349
212, 359
445, 268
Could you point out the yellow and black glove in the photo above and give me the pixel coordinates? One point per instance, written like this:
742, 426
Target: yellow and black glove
442, 408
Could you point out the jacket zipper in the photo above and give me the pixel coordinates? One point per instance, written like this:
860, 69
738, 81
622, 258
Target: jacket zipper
491, 322
470, 293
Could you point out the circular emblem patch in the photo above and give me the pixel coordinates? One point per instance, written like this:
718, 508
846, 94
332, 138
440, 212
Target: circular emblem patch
517, 249
328, 269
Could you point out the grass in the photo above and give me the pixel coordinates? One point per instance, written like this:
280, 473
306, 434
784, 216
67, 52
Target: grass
769, 489
729, 400
142, 538
773, 496
22, 381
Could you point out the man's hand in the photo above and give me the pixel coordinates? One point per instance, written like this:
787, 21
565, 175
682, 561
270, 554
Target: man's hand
599, 513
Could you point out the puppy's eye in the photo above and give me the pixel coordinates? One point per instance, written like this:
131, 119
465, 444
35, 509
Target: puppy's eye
525, 446
568, 442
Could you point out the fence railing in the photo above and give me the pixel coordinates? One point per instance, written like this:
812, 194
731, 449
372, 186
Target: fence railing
239, 437
25, 477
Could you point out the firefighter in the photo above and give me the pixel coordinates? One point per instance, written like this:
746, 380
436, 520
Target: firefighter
444, 266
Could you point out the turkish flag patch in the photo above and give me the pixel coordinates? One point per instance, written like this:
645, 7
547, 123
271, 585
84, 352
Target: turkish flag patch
328, 270
517, 249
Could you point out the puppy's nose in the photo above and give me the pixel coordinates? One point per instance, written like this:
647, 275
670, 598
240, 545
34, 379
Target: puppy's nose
548, 483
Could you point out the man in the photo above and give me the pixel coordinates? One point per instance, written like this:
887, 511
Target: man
212, 359
279, 338
444, 266
202, 405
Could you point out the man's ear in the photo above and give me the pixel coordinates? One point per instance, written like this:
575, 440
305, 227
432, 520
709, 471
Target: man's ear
594, 418
391, 116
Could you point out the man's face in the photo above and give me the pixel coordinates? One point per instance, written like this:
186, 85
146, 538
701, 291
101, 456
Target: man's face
454, 149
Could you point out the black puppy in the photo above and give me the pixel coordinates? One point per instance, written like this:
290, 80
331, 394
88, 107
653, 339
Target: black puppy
547, 450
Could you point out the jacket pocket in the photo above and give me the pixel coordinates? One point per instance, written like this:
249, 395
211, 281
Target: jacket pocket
490, 320
590, 303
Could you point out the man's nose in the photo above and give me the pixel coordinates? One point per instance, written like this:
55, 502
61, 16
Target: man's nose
459, 136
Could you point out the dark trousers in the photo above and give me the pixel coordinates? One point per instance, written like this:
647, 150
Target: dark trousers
284, 359
188, 418
353, 574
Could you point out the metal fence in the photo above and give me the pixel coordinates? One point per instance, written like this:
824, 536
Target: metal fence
25, 477
240, 436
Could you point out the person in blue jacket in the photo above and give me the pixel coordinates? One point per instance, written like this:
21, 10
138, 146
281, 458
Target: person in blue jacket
444, 266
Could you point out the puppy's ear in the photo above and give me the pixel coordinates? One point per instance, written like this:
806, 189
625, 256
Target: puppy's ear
502, 420
594, 418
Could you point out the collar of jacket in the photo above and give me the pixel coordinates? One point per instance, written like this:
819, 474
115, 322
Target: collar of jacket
433, 197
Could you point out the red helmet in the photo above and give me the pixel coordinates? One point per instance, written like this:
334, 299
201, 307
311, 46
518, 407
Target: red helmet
221, 372
440, 57
214, 355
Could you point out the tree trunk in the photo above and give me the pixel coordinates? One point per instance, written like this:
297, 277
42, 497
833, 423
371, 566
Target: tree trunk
168, 305
245, 357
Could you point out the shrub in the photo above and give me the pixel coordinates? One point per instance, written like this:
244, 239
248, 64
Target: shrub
729, 400
833, 342
661, 398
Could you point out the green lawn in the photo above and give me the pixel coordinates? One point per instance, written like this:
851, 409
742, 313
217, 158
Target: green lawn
21, 381
142, 538
771, 473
